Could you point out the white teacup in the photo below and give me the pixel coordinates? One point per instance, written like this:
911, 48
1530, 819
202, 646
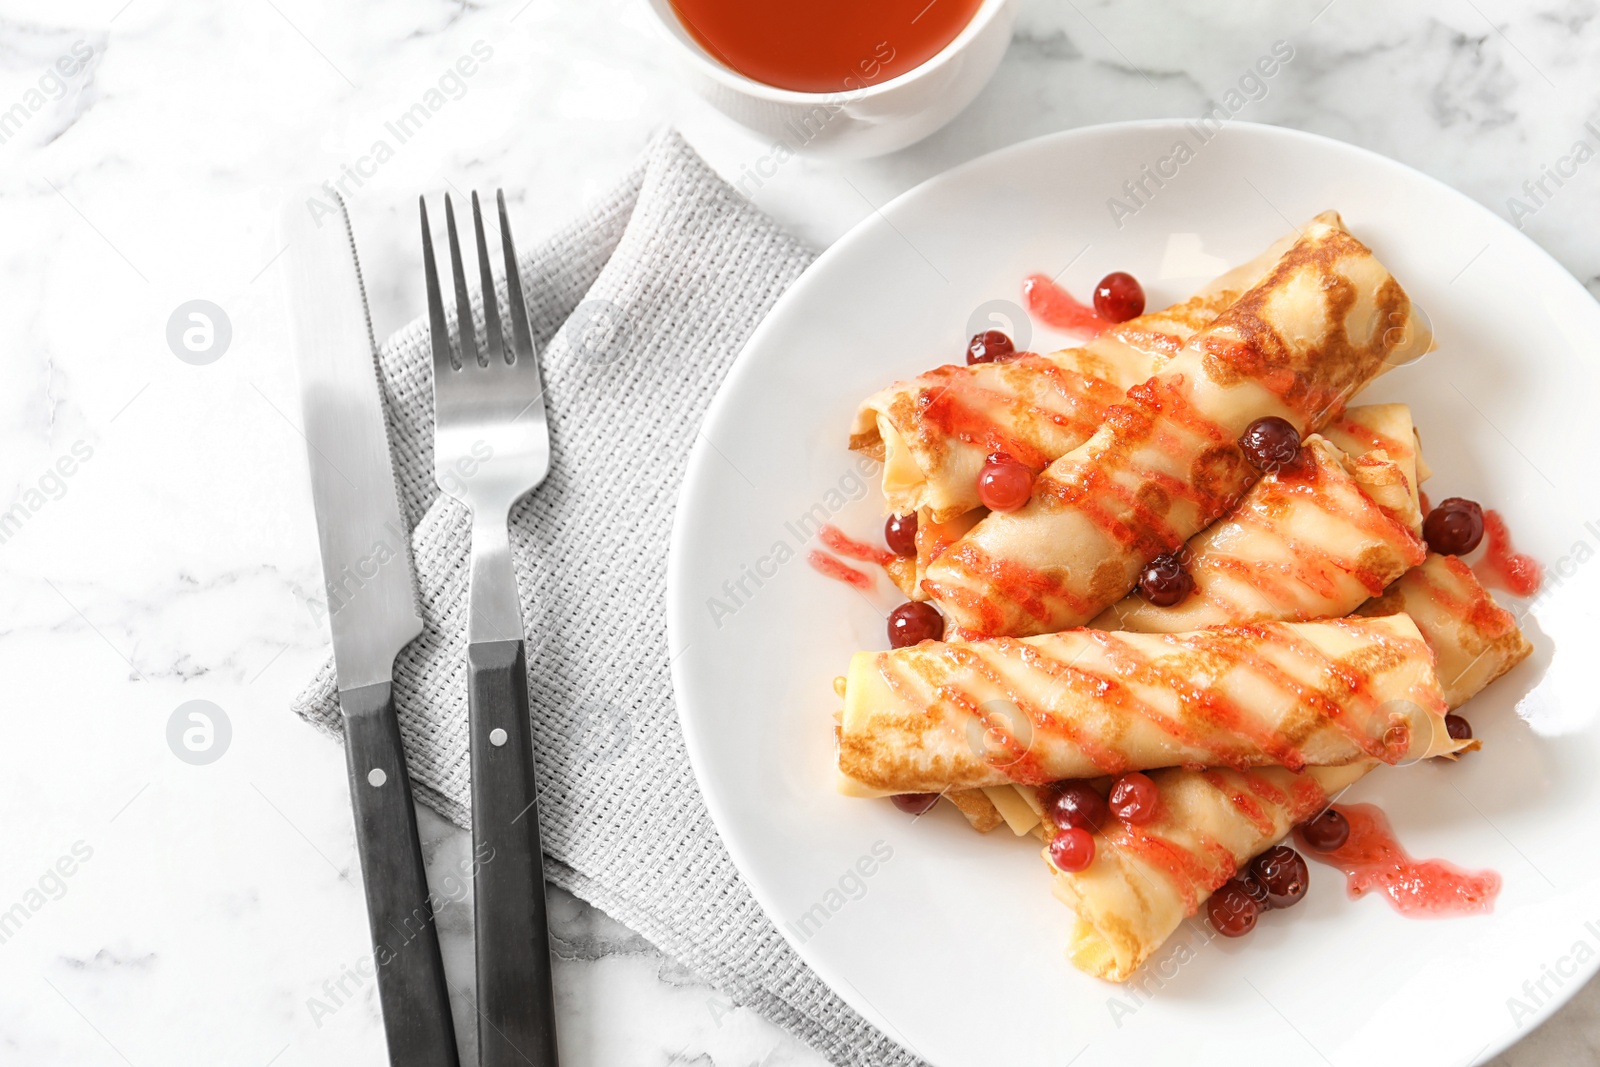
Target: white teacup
853, 123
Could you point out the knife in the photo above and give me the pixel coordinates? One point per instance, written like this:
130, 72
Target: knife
372, 609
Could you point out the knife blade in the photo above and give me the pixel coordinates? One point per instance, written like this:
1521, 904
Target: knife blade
372, 611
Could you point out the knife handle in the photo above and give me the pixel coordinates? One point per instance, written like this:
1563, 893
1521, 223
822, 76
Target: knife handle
516, 1000
411, 982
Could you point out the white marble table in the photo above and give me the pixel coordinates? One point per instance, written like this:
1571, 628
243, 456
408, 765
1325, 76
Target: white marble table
159, 546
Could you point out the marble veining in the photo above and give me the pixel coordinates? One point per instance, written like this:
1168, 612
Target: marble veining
212, 912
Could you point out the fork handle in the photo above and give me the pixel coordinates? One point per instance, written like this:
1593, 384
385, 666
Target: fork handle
411, 979
516, 1001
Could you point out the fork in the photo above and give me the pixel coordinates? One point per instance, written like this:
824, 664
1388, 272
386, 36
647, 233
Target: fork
491, 447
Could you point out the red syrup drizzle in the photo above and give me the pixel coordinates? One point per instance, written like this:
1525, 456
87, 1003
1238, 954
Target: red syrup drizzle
1419, 889
829, 567
1311, 566
1513, 571
955, 404
953, 632
948, 406
850, 548
1219, 727
1056, 307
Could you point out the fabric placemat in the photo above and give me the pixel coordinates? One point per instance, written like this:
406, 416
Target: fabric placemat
639, 306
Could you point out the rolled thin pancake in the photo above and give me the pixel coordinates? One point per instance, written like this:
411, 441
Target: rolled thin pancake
1304, 544
1309, 541
932, 432
961, 715
1342, 514
1385, 453
1474, 639
1146, 880
1167, 463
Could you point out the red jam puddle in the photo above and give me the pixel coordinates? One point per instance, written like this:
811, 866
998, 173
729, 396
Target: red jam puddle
1515, 572
1054, 306
850, 548
830, 567
1373, 861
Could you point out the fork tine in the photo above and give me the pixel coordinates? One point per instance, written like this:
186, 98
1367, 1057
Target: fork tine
464, 324
521, 336
491, 308
438, 328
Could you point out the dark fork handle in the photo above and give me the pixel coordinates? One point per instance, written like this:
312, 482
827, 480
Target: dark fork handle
411, 982
516, 999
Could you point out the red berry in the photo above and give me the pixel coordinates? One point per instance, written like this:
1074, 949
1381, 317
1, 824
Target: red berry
915, 803
1072, 849
1004, 484
1076, 804
1254, 889
1282, 870
1164, 582
1119, 297
900, 532
1270, 443
1327, 832
912, 623
1134, 798
1455, 527
1460, 729
1232, 910
990, 346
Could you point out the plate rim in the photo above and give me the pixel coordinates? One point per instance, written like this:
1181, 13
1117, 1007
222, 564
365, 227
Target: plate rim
701, 452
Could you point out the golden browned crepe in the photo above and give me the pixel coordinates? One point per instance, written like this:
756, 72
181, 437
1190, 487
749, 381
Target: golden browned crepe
1144, 881
933, 431
978, 809
1385, 457
1167, 463
1338, 547
1474, 640
961, 715
1310, 541
932, 539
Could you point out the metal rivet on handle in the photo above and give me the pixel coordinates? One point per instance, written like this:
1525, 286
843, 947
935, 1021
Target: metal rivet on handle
376, 776
497, 737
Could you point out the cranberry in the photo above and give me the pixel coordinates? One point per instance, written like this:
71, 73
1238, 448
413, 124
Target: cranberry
1134, 798
990, 346
1282, 870
1270, 443
1253, 887
1072, 850
915, 803
1455, 527
1164, 582
1232, 910
901, 534
1327, 832
912, 623
1077, 805
1004, 484
1119, 297
1460, 729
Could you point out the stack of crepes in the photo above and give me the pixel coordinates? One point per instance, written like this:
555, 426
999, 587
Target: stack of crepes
1320, 641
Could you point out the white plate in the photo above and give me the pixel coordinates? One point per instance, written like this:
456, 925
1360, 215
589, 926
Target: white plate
954, 944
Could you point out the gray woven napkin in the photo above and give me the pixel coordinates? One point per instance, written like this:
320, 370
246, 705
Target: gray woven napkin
639, 307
